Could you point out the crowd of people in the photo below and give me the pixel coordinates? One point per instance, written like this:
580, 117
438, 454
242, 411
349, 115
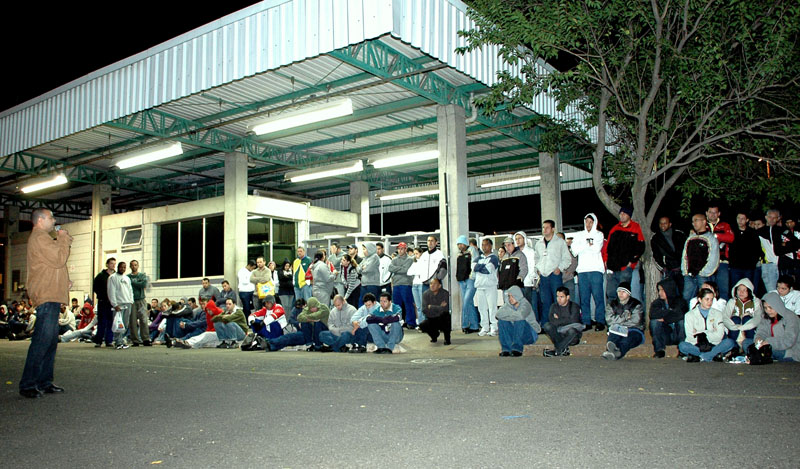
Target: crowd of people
725, 293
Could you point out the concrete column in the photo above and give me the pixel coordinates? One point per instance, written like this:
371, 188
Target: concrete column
101, 206
550, 188
453, 202
11, 229
303, 233
359, 204
235, 239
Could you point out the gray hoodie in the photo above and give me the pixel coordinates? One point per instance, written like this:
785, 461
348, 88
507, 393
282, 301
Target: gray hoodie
522, 311
370, 266
399, 269
783, 335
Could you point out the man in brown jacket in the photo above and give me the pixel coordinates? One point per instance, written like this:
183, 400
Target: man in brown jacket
48, 287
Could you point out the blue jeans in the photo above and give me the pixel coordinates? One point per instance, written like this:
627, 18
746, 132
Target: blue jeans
637, 290
748, 335
362, 336
247, 302
311, 331
769, 274
723, 347
780, 356
723, 278
515, 335
624, 275
666, 334
386, 339
591, 286
547, 291
230, 331
574, 291
38, 372
402, 296
624, 344
336, 341
270, 332
374, 289
469, 313
286, 340
691, 284
417, 291
532, 296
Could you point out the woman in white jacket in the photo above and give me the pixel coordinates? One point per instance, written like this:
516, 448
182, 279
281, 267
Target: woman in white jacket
705, 320
418, 287
587, 246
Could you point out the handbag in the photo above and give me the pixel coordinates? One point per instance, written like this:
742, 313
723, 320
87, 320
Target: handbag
264, 289
118, 326
702, 343
759, 355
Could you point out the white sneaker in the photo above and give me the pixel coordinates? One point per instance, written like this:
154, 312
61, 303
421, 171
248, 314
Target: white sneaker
493, 333
483, 332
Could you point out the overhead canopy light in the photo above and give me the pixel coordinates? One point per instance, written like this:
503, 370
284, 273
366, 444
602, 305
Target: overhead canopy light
149, 155
52, 181
325, 171
418, 191
303, 116
404, 157
518, 178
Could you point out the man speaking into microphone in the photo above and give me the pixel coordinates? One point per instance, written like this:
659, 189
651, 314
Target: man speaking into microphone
48, 288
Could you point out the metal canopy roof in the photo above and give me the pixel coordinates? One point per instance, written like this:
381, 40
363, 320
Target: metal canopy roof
394, 87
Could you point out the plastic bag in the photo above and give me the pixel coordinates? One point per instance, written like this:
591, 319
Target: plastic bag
118, 326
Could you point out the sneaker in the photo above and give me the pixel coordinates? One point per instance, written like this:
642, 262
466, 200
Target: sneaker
483, 333
233, 345
609, 356
181, 344
516, 353
692, 359
566, 352
98, 345
325, 349
549, 353
147, 343
343, 349
505, 354
612, 347
223, 344
717, 358
599, 327
122, 346
659, 354
587, 327
493, 333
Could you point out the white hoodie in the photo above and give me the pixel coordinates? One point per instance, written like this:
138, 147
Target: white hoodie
590, 256
530, 255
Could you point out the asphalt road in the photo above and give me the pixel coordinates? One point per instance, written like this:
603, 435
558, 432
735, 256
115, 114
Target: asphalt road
150, 407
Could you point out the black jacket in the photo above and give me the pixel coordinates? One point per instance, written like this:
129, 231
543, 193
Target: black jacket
672, 310
100, 286
665, 256
745, 250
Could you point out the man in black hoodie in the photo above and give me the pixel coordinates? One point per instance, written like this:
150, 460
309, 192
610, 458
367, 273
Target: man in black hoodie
744, 252
666, 317
564, 326
667, 249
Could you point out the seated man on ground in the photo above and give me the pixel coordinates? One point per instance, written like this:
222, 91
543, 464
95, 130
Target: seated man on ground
66, 320
229, 324
790, 296
705, 333
227, 292
564, 326
779, 328
360, 331
269, 321
339, 332
188, 328
516, 323
436, 307
176, 313
208, 338
625, 319
86, 326
666, 317
313, 320
384, 324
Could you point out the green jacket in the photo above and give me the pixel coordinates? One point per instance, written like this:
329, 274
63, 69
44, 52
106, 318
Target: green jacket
138, 284
320, 315
237, 317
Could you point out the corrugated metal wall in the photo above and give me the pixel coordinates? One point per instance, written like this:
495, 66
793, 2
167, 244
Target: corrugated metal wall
571, 177
256, 39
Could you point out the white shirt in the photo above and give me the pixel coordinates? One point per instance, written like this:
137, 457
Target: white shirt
244, 281
120, 291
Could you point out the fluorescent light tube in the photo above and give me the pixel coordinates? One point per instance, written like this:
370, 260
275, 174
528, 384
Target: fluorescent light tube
57, 180
404, 158
508, 181
149, 155
307, 115
325, 171
419, 191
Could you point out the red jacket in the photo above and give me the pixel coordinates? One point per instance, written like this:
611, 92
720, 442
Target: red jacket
724, 236
624, 245
211, 311
275, 314
87, 314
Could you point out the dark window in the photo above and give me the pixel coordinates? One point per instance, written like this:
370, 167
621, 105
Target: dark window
197, 240
168, 250
191, 248
215, 246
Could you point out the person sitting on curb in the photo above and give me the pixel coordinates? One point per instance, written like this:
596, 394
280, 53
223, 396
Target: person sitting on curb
229, 324
339, 334
313, 320
209, 337
359, 321
564, 326
385, 326
780, 328
666, 317
269, 321
625, 319
516, 323
436, 307
790, 296
705, 333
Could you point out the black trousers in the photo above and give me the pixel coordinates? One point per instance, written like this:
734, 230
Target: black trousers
433, 326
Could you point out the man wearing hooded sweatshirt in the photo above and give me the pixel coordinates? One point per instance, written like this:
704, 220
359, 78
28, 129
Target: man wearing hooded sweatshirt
120, 294
516, 323
564, 324
552, 258
743, 309
370, 270
625, 319
621, 253
432, 263
780, 328
666, 317
486, 286
465, 263
667, 244
401, 284
313, 321
530, 283
700, 257
587, 246
513, 267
